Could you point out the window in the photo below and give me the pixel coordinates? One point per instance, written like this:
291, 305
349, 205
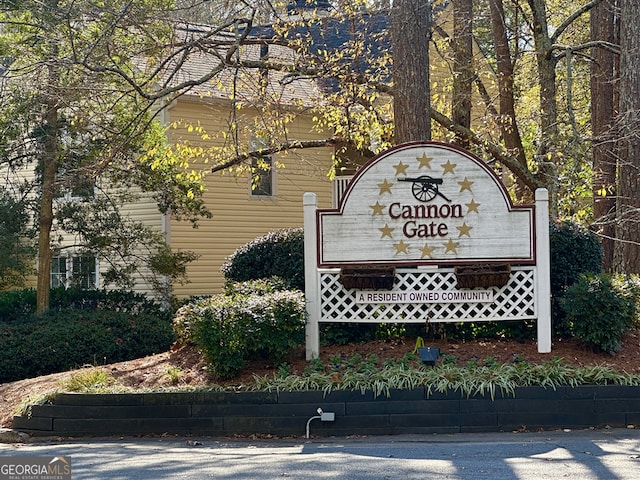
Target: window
80, 272
262, 177
83, 273
58, 272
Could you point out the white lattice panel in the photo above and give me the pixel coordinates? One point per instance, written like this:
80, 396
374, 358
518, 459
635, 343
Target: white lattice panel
514, 301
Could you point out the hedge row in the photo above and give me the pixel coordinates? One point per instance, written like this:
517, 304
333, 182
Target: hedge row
82, 327
67, 339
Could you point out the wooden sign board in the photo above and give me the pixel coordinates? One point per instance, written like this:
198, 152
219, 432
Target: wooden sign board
425, 204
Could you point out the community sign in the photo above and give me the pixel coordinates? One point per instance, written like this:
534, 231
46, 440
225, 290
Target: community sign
426, 204
427, 232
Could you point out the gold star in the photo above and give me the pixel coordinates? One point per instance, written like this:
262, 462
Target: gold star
427, 251
386, 231
450, 246
401, 168
424, 161
401, 247
464, 230
448, 167
384, 187
465, 184
377, 208
472, 206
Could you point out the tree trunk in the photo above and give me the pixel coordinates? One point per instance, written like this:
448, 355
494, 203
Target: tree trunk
410, 35
627, 254
507, 119
48, 168
463, 73
603, 112
547, 79
45, 224
547, 154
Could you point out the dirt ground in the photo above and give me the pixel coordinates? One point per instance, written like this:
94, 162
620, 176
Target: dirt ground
188, 369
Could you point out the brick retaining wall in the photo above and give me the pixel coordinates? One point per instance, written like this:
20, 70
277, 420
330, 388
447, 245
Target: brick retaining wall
287, 413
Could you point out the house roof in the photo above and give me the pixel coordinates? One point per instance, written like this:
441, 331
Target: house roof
249, 84
334, 34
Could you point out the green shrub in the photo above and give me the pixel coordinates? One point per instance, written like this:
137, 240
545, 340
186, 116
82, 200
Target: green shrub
276, 323
232, 329
341, 333
186, 316
219, 334
600, 309
65, 339
509, 329
631, 288
575, 251
260, 286
18, 303
279, 254
192, 309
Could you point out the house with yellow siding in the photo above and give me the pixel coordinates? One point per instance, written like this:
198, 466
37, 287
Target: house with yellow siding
240, 212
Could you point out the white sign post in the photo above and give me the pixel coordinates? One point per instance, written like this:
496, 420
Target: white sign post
426, 214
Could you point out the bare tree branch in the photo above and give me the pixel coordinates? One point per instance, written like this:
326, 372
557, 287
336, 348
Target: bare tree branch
530, 179
171, 65
571, 18
294, 144
608, 46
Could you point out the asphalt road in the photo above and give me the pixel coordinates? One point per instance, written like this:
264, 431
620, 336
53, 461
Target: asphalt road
581, 455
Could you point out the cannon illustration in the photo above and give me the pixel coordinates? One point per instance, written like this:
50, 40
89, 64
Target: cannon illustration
425, 188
